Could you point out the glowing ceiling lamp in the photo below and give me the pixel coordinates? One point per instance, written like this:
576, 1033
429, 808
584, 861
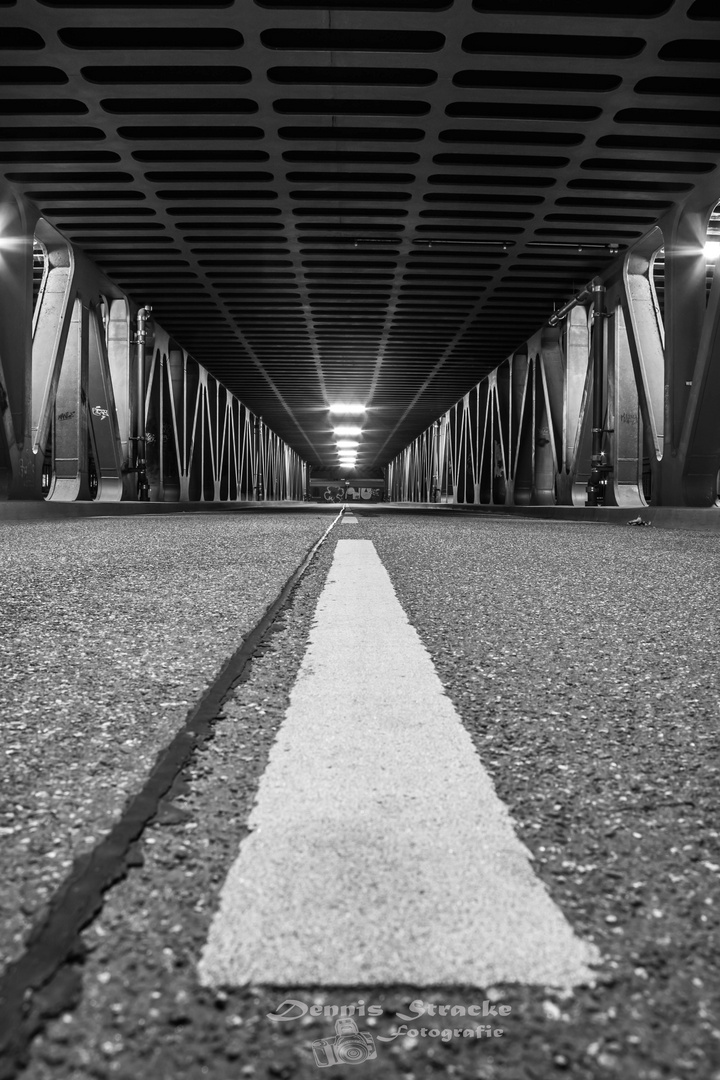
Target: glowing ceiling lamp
348, 408
347, 429
712, 250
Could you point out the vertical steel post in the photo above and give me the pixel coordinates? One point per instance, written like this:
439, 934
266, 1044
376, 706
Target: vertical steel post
260, 481
599, 465
141, 335
435, 481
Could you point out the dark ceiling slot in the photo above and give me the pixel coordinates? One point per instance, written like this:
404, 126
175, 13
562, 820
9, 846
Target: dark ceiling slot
298, 39
352, 227
346, 211
201, 133
152, 275
351, 240
188, 156
590, 233
466, 229
704, 9
358, 5
393, 251
613, 204
32, 76
107, 226
422, 264
53, 134
482, 197
350, 178
256, 275
18, 37
101, 211
629, 185
312, 275
352, 76
244, 262
659, 142
99, 5
70, 177
562, 81
470, 179
428, 253
646, 165
515, 138
603, 9
332, 264
347, 107
59, 157
88, 196
184, 106
662, 117
230, 228
217, 193
691, 49
474, 215
351, 157
353, 134
162, 75
573, 257
130, 263
183, 177
143, 38
618, 219
221, 211
522, 111
679, 86
132, 250
504, 160
351, 196
500, 230
573, 45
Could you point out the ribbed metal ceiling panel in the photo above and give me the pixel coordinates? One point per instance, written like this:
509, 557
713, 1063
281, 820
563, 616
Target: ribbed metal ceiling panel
362, 201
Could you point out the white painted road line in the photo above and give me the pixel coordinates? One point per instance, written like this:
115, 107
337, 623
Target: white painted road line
379, 851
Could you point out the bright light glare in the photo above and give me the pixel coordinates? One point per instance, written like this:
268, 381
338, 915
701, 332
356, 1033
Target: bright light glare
347, 430
347, 444
712, 250
348, 408
10, 243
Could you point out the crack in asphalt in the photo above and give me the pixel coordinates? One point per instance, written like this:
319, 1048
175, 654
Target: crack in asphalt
45, 980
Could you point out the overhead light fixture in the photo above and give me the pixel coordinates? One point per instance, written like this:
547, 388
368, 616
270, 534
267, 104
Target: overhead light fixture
347, 407
712, 250
347, 430
347, 444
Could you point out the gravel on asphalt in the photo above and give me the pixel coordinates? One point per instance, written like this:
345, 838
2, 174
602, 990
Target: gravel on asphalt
112, 629
583, 662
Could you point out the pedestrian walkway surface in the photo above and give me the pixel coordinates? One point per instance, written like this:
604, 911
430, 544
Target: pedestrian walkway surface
379, 852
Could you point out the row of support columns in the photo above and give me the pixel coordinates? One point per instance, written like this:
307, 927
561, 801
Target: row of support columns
614, 401
97, 402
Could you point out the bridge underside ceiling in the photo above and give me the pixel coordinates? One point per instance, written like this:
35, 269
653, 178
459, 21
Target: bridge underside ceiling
373, 202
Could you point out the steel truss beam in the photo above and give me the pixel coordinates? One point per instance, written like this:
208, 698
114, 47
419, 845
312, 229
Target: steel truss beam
70, 407
524, 434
